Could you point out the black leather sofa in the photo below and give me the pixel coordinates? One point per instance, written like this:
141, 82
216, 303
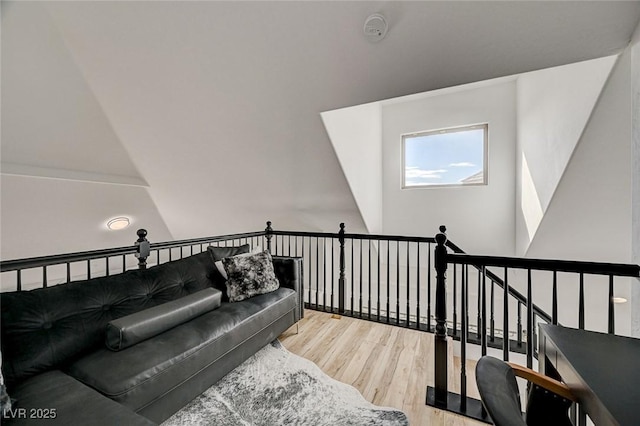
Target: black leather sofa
59, 370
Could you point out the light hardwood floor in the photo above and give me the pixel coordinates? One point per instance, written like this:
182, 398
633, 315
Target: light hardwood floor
390, 366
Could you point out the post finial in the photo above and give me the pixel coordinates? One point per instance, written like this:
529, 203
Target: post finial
143, 248
342, 227
441, 238
142, 234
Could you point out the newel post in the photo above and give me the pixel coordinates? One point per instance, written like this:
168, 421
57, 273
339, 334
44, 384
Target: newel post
268, 234
143, 248
441, 320
341, 280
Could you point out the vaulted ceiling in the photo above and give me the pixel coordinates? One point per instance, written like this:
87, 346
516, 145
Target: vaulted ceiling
214, 107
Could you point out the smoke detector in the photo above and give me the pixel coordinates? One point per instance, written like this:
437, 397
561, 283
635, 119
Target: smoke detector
375, 27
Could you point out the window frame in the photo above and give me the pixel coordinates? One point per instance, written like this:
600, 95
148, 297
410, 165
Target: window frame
456, 129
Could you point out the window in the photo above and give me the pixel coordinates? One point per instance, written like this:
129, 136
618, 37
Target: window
448, 157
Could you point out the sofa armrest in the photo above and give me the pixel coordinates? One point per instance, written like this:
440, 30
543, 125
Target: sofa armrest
289, 272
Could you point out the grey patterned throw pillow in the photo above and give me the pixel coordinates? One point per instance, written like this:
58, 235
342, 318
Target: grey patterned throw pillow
249, 276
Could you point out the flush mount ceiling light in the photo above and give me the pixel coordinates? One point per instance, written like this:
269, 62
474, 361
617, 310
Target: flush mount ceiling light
118, 223
375, 27
618, 300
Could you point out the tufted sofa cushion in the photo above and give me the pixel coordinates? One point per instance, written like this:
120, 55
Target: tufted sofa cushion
49, 328
140, 374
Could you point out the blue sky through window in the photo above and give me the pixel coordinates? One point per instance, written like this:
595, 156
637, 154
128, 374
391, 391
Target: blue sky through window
447, 158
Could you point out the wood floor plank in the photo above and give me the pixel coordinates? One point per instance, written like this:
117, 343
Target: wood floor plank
414, 399
336, 361
390, 366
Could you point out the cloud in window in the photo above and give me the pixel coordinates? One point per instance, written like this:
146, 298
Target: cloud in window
462, 164
413, 173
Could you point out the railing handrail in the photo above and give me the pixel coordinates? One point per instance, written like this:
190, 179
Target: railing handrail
195, 241
56, 259
356, 236
39, 261
573, 266
46, 260
499, 281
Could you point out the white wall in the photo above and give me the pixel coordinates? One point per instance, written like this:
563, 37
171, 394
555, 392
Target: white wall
356, 136
48, 109
479, 218
589, 216
635, 156
553, 106
72, 214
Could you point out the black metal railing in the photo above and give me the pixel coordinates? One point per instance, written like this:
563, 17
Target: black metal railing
557, 273
382, 278
392, 279
43, 271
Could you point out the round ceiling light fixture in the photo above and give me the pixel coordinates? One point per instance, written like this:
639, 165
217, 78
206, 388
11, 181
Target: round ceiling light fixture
118, 223
375, 27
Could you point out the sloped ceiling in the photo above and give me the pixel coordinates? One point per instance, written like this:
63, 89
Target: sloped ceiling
217, 103
51, 118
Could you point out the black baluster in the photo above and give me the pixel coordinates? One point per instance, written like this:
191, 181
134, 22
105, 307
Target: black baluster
529, 321
581, 303
492, 322
45, 282
408, 282
341, 283
361, 262
463, 336
483, 336
333, 272
317, 272
324, 274
388, 279
479, 309
418, 287
519, 324
19, 280
68, 272
505, 318
369, 281
398, 282
612, 316
455, 300
310, 274
429, 287
353, 280
554, 300
378, 298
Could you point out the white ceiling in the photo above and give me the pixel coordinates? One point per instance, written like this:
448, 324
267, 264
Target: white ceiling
218, 103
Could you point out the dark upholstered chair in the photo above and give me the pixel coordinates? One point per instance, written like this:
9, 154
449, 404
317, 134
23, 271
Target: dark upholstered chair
548, 401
